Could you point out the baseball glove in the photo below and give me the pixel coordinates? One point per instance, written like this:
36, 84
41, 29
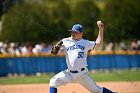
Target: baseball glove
56, 48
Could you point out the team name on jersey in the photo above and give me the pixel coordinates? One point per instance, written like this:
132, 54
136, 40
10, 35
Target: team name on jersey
76, 47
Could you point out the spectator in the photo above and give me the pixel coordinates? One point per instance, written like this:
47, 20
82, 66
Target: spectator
37, 49
138, 43
29, 49
134, 45
23, 49
1, 45
46, 48
109, 46
123, 46
4, 48
11, 49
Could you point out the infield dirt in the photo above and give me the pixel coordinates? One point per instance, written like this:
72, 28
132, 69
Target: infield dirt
120, 87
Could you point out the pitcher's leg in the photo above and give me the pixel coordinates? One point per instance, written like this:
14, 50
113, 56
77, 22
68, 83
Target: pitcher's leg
60, 79
89, 84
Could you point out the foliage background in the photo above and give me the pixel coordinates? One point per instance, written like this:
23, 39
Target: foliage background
48, 20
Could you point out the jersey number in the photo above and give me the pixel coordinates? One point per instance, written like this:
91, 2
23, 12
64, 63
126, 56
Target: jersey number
80, 54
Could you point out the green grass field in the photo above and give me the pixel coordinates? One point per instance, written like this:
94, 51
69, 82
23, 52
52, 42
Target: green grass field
116, 76
98, 77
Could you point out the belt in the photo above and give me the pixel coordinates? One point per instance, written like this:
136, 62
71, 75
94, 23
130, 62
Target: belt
75, 71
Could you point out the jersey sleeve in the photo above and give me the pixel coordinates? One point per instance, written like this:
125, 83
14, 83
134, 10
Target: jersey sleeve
63, 40
91, 45
63, 45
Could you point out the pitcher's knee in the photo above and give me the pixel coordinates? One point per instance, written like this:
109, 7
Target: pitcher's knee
53, 82
56, 82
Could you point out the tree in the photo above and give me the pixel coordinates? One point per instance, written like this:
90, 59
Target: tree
59, 17
25, 22
122, 19
86, 13
36, 22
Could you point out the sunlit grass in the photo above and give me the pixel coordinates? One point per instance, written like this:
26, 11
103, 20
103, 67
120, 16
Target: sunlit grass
126, 76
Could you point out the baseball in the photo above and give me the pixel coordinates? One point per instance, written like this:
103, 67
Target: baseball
99, 22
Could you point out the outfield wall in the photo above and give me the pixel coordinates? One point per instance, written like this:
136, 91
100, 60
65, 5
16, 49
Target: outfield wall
32, 65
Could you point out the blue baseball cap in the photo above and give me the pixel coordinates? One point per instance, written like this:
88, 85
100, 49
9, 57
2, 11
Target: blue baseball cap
77, 28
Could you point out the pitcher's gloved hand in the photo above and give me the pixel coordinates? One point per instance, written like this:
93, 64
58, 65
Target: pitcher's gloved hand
56, 48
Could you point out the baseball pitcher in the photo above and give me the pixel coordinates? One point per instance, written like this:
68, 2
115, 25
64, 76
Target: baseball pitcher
76, 49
